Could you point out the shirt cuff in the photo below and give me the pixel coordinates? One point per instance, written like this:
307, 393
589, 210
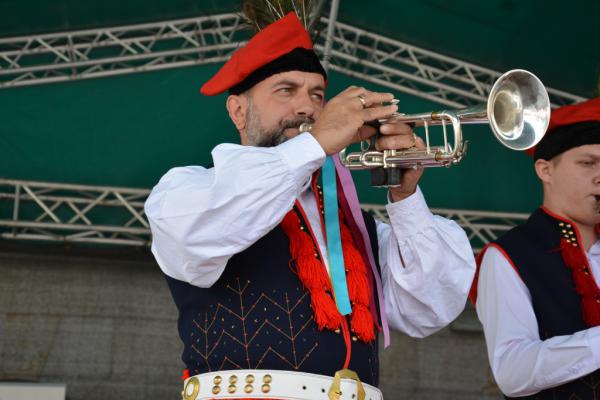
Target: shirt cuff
303, 156
410, 215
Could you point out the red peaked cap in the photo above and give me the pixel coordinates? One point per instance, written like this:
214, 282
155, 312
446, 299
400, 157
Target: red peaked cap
274, 41
561, 118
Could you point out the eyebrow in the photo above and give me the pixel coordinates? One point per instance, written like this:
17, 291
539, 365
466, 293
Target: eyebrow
296, 84
590, 155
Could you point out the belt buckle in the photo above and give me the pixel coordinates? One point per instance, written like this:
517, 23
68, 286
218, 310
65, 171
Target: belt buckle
335, 392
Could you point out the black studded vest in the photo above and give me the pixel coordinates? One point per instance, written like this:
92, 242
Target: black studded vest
258, 316
534, 249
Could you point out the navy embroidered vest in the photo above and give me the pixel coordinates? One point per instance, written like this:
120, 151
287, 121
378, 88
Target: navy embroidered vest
258, 316
534, 249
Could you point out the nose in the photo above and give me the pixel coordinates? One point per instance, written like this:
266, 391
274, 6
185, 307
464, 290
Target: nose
596, 177
305, 106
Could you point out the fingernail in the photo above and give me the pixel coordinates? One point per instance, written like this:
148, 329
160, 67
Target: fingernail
394, 101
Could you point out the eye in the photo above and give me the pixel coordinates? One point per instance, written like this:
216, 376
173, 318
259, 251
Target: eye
318, 96
284, 90
587, 163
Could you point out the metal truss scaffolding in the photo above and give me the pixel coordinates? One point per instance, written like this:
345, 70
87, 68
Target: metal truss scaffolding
400, 66
69, 213
109, 215
56, 57
481, 227
73, 213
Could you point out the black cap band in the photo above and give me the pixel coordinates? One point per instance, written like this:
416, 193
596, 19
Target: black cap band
566, 137
299, 59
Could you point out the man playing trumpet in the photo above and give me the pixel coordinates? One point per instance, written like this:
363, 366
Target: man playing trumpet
249, 253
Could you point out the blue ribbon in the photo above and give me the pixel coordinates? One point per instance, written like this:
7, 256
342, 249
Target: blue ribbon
337, 270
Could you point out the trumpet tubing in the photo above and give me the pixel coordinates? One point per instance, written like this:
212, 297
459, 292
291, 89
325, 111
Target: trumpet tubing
517, 111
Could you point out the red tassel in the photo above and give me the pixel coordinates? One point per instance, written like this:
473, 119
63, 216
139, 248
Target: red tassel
362, 323
352, 257
326, 312
361, 319
585, 285
291, 226
358, 287
312, 274
302, 246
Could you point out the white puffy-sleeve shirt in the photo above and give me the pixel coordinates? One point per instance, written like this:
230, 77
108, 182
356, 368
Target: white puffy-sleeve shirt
201, 217
521, 362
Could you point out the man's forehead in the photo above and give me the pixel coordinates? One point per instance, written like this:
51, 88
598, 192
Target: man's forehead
590, 150
298, 78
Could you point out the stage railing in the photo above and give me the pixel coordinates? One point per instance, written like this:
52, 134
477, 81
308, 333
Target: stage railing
68, 213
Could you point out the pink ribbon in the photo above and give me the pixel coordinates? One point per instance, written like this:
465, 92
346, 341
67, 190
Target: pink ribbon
349, 193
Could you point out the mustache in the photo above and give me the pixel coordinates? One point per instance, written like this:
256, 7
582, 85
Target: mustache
277, 136
295, 123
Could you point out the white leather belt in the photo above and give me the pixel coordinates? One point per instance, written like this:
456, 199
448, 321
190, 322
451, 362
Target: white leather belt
272, 384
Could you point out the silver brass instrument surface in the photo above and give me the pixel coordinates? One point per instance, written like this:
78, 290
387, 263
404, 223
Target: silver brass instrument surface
517, 111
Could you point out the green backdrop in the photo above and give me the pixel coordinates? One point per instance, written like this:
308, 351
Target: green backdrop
128, 130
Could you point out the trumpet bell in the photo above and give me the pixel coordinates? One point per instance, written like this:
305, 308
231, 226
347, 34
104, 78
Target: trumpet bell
518, 109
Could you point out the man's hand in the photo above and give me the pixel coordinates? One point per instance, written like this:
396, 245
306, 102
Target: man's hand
397, 136
342, 121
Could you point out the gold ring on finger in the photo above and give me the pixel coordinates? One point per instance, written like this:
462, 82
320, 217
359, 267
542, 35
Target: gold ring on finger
362, 100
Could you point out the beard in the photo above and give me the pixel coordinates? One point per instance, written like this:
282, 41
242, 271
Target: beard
263, 137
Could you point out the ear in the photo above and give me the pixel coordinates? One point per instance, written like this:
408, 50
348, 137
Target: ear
237, 107
543, 169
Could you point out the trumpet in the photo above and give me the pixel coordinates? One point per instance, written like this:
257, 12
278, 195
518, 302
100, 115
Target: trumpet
517, 111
